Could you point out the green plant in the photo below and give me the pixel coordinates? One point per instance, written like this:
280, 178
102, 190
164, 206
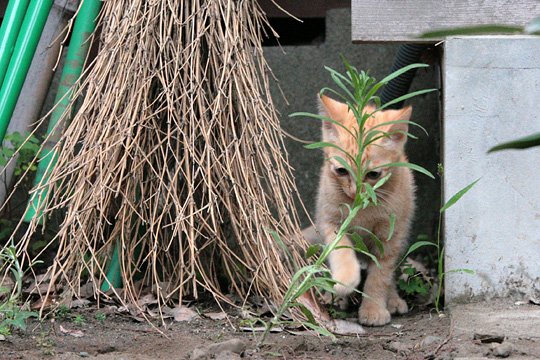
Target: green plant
62, 312
100, 317
357, 90
26, 145
12, 314
440, 249
413, 283
79, 320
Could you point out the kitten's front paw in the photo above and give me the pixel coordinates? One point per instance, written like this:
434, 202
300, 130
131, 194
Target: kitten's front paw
397, 305
348, 280
373, 314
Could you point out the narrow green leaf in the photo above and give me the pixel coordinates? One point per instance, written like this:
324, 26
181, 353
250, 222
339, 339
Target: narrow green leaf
322, 144
401, 122
323, 118
382, 181
358, 242
339, 75
522, 143
397, 73
330, 90
392, 225
418, 245
319, 329
346, 165
466, 271
312, 250
405, 97
370, 192
378, 243
472, 30
414, 167
458, 196
372, 257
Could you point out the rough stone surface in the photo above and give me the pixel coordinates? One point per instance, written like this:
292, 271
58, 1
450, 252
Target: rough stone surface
503, 350
491, 96
223, 350
430, 340
498, 318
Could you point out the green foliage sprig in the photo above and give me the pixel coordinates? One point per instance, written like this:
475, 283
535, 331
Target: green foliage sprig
357, 89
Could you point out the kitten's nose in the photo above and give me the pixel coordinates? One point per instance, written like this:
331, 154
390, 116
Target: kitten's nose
352, 191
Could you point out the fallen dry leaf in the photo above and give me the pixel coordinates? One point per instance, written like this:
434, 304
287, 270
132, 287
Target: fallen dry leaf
344, 327
75, 333
183, 313
216, 315
318, 311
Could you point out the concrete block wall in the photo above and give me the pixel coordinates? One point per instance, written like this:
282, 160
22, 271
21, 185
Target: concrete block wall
300, 75
492, 95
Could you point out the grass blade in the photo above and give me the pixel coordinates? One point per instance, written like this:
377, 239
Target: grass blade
405, 97
522, 143
472, 30
414, 167
458, 196
397, 73
416, 246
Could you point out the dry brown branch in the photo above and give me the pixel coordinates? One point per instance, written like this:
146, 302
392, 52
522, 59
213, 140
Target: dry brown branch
176, 155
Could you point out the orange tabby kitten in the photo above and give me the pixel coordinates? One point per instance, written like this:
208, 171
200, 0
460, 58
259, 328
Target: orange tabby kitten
396, 196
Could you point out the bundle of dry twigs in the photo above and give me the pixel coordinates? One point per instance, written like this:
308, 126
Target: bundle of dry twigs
176, 156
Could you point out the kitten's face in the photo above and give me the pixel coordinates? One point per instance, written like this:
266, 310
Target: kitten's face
383, 151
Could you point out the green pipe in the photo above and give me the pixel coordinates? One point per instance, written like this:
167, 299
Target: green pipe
25, 46
114, 275
79, 44
11, 25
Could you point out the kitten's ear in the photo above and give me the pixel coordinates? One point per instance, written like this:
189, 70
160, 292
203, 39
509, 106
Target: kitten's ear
397, 131
335, 111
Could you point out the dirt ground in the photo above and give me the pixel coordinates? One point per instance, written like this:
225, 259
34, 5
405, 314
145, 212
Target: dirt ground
418, 335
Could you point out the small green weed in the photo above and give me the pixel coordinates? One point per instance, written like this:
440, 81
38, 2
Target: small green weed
413, 283
440, 249
79, 320
100, 317
26, 145
63, 312
12, 314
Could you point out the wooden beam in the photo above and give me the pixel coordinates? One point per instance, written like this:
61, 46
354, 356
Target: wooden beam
404, 20
301, 9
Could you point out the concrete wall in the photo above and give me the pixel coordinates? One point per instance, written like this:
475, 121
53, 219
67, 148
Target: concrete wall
300, 73
492, 92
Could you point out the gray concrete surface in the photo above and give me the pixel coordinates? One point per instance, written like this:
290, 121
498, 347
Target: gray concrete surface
300, 74
491, 96
500, 317
481, 330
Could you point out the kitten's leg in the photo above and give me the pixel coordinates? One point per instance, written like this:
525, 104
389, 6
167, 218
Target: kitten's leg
343, 263
373, 311
396, 305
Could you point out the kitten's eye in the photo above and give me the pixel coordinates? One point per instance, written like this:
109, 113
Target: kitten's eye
373, 175
341, 171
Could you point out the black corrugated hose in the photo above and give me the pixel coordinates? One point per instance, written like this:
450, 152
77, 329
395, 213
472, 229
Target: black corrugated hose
407, 54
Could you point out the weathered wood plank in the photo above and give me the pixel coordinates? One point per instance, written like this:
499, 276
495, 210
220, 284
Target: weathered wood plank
404, 20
